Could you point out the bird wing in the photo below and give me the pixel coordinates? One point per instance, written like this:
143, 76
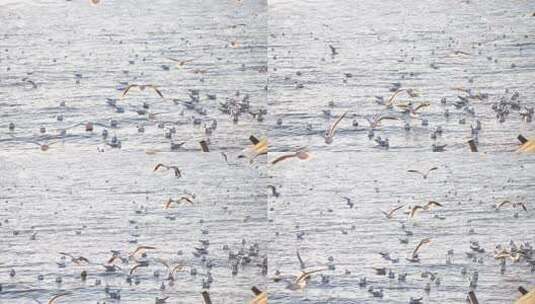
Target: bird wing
158, 167
415, 171
414, 210
187, 199
54, 298
433, 203
305, 274
332, 128
422, 242
387, 118
394, 210
157, 91
421, 105
301, 263
432, 169
143, 248
134, 269
524, 207
67, 254
168, 203
177, 171
283, 157
503, 203
128, 89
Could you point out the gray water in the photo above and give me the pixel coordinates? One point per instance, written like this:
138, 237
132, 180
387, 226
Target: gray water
63, 62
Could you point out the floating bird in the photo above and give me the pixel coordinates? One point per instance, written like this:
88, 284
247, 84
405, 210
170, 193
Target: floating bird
178, 174
180, 63
142, 87
424, 175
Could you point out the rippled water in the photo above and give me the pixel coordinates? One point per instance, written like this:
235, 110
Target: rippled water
468, 186
397, 41
99, 202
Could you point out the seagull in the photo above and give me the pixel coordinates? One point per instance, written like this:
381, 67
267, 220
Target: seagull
180, 63
375, 120
75, 260
424, 175
175, 169
333, 50
390, 212
273, 191
414, 210
178, 201
390, 101
515, 205
302, 280
142, 87
301, 154
171, 271
43, 146
329, 133
414, 255
141, 248
54, 298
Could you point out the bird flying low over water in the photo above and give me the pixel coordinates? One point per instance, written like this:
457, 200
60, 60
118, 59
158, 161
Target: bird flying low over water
301, 154
423, 174
178, 201
176, 170
391, 212
514, 205
142, 87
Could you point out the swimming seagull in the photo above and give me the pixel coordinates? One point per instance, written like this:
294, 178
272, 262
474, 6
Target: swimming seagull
390, 212
424, 175
301, 154
142, 87
329, 133
175, 169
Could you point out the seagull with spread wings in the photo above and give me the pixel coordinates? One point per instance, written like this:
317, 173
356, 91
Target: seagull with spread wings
423, 174
142, 87
178, 174
390, 213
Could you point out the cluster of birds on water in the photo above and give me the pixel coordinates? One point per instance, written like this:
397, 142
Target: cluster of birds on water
406, 113
514, 253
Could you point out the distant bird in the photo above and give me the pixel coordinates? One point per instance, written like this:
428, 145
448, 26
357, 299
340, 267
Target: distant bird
171, 271
375, 120
142, 87
414, 254
392, 99
415, 209
140, 249
54, 298
180, 63
178, 174
329, 133
348, 201
301, 154
76, 260
333, 50
424, 175
514, 205
43, 146
178, 201
302, 280
391, 212
273, 191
